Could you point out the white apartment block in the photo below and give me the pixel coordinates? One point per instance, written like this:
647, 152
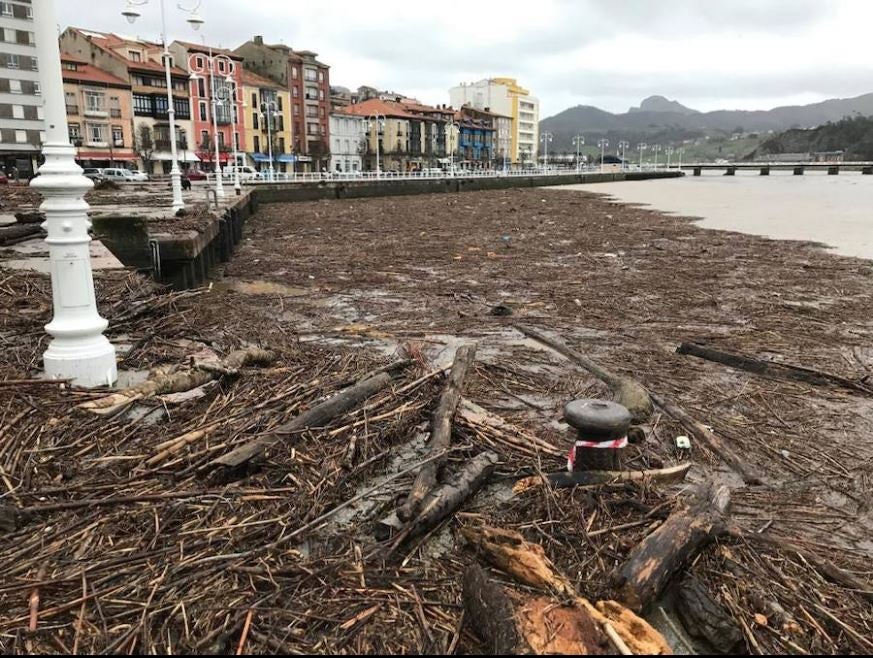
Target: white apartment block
506, 97
347, 139
22, 129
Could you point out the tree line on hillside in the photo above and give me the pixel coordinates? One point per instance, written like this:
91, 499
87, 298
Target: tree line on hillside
853, 135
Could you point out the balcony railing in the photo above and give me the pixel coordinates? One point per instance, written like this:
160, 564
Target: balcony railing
72, 109
115, 114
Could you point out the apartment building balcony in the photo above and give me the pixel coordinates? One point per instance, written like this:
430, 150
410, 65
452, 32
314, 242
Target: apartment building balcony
97, 145
97, 114
72, 110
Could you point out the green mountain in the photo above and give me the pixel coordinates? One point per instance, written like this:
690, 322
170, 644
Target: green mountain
854, 136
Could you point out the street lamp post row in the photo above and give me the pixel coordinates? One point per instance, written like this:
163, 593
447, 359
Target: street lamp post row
579, 141
376, 121
131, 13
603, 144
623, 146
546, 139
451, 127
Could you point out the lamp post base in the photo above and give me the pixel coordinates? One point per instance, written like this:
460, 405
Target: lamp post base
88, 362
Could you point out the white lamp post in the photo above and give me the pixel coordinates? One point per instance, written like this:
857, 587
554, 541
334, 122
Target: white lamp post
546, 139
642, 148
603, 144
377, 121
79, 351
681, 155
227, 93
579, 141
451, 126
623, 146
268, 110
210, 67
670, 151
657, 149
131, 14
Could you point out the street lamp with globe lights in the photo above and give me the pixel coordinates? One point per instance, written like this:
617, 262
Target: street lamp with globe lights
132, 14
579, 141
642, 148
268, 110
376, 121
603, 144
623, 146
229, 93
546, 139
669, 151
213, 66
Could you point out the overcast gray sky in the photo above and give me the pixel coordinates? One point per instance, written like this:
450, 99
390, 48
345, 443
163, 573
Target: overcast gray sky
708, 54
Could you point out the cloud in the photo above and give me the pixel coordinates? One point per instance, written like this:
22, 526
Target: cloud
568, 52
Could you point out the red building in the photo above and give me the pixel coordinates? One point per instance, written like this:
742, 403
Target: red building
308, 80
227, 83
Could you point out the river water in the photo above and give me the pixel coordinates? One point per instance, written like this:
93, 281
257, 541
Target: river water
836, 211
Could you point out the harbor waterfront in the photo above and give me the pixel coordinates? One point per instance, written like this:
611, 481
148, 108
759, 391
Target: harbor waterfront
832, 210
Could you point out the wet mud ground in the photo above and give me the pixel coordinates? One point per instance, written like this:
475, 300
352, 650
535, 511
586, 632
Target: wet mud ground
337, 288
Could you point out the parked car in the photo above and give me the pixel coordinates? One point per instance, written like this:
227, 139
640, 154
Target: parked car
194, 175
121, 175
245, 173
95, 175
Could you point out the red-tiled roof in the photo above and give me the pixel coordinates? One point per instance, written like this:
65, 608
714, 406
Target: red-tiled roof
204, 48
108, 41
252, 79
87, 73
155, 67
376, 106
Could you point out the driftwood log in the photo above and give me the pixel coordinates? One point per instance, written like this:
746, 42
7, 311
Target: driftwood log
19, 233
510, 623
321, 415
566, 480
528, 563
665, 552
627, 392
771, 369
705, 618
707, 437
441, 431
178, 380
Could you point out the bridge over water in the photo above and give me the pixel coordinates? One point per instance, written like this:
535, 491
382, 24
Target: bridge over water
764, 168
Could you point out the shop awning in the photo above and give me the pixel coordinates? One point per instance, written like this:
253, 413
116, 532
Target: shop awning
287, 157
121, 156
166, 156
209, 156
259, 157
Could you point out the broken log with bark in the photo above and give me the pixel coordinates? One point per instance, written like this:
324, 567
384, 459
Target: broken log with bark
230, 465
19, 233
440, 431
528, 563
567, 480
511, 623
665, 552
446, 499
771, 369
705, 618
708, 438
626, 391
174, 379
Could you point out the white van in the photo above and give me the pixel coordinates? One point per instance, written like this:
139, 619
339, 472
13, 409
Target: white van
121, 175
246, 173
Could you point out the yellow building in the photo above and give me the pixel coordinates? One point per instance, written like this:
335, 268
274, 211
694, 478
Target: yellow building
266, 113
504, 96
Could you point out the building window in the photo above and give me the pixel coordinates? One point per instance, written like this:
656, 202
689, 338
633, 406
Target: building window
255, 121
134, 56
201, 88
310, 75
257, 144
34, 64
12, 62
6, 8
95, 132
296, 93
200, 63
37, 89
93, 101
142, 105
115, 107
203, 115
75, 132
204, 139
18, 111
21, 137
236, 141
254, 100
296, 110
182, 107
117, 136
294, 72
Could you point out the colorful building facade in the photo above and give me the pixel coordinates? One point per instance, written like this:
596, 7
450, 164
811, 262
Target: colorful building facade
265, 115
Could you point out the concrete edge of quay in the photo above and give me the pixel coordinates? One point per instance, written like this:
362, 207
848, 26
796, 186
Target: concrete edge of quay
186, 259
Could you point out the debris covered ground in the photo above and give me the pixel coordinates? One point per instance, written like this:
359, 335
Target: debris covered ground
115, 536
